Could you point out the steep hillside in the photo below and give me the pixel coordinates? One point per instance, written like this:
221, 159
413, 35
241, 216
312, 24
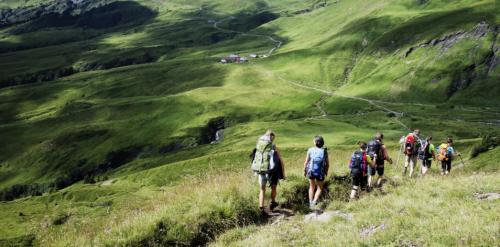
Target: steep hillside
108, 109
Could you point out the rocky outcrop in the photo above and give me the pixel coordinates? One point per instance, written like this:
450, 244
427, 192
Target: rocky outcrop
487, 196
447, 41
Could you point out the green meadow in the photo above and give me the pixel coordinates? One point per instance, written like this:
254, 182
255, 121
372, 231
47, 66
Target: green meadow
109, 111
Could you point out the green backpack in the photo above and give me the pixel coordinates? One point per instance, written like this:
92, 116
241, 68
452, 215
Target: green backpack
262, 159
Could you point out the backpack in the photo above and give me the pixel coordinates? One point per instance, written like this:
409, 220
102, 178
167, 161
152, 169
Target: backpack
375, 148
411, 145
358, 164
424, 152
316, 166
444, 153
262, 161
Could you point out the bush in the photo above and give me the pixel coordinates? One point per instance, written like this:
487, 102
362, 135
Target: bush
488, 142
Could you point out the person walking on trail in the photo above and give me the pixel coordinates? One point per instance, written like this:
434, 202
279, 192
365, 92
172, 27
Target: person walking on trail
378, 153
427, 153
358, 166
316, 169
411, 145
268, 166
445, 154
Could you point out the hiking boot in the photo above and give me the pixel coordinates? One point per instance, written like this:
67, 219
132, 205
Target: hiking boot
263, 211
312, 206
273, 205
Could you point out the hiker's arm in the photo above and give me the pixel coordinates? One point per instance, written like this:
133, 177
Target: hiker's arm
327, 165
386, 154
370, 161
305, 163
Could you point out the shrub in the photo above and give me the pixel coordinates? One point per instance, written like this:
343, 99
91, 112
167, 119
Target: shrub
488, 142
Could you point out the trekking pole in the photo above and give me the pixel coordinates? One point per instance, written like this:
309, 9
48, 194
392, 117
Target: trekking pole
399, 154
460, 155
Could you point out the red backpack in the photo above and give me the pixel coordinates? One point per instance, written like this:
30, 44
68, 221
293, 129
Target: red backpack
410, 144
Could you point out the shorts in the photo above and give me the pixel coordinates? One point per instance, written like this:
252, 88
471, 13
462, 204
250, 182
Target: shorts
427, 163
317, 178
357, 180
378, 169
264, 179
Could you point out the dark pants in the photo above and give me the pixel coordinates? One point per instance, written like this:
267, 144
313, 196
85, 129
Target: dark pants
446, 165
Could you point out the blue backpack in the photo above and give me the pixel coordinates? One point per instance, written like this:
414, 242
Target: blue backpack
317, 163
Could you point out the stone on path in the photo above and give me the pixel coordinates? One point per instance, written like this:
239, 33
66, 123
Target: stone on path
365, 232
326, 216
487, 196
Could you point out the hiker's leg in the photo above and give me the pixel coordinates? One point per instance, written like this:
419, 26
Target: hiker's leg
424, 167
353, 192
407, 162
262, 193
448, 166
356, 182
443, 167
273, 193
412, 165
318, 190
372, 171
380, 172
312, 186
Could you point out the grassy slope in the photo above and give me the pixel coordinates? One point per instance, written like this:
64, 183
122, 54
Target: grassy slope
434, 211
52, 126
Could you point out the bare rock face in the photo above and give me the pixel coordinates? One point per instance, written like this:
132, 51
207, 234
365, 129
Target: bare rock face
447, 41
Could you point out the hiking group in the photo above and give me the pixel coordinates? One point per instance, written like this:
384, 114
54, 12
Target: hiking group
364, 164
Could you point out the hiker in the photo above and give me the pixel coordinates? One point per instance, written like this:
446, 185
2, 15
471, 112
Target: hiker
411, 145
316, 169
446, 154
378, 153
358, 166
427, 153
268, 166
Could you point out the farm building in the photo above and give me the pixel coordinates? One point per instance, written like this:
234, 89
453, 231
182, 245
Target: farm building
233, 58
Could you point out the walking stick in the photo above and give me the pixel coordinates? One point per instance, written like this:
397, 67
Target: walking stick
400, 150
460, 155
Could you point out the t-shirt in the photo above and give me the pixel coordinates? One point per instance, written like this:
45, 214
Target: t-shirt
431, 150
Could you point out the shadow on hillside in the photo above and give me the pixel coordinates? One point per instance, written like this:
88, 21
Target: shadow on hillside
127, 13
136, 113
388, 34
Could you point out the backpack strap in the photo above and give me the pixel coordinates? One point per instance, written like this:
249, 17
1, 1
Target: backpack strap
364, 164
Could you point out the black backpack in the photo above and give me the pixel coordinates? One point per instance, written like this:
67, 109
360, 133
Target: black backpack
358, 163
374, 147
277, 172
424, 151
